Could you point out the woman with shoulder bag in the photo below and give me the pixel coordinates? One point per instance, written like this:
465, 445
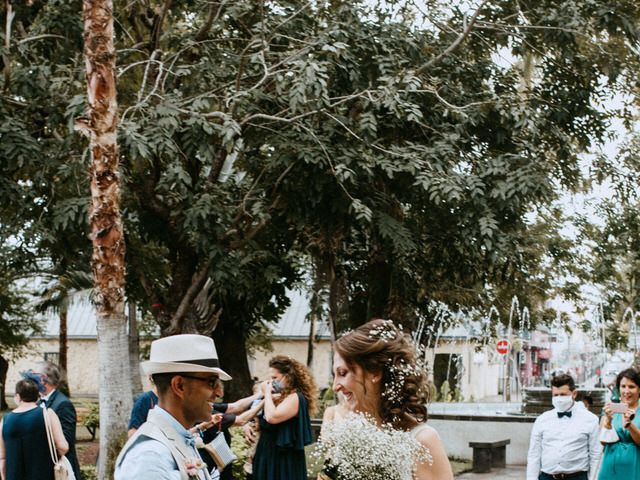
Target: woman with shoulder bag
24, 448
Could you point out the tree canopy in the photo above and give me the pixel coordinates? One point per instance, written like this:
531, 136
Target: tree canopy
409, 154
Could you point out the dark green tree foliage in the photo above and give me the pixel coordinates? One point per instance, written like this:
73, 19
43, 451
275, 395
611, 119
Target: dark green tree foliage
403, 152
17, 323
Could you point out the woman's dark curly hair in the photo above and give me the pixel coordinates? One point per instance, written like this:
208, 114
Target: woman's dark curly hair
382, 348
298, 379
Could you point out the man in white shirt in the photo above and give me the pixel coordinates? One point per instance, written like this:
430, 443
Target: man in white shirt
564, 441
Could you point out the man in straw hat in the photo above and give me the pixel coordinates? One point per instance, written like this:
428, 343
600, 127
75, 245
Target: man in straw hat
185, 371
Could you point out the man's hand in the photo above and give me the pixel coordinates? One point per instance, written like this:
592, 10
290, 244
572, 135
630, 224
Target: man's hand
215, 420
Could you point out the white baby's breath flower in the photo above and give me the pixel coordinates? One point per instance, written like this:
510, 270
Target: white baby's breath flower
355, 448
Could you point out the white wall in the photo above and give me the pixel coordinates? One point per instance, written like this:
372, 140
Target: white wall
456, 435
481, 370
297, 349
82, 361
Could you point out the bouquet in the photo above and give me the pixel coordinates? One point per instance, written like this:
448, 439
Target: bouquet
355, 448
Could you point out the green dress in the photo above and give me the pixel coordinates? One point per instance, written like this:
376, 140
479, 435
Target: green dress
280, 451
621, 460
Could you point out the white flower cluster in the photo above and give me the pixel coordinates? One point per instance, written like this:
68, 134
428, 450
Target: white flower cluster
398, 374
355, 448
386, 331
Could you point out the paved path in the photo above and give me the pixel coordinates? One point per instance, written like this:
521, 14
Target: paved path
512, 472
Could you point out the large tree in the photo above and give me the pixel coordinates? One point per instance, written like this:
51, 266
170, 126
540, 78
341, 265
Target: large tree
401, 152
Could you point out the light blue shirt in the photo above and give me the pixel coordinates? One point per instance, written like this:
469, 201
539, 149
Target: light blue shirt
148, 459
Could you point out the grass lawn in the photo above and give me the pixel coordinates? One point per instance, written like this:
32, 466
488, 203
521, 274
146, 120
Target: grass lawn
460, 465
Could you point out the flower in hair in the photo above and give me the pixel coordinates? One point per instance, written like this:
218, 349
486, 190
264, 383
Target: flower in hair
385, 331
397, 377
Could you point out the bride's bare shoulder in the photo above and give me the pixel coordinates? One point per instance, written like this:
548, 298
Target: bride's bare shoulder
426, 434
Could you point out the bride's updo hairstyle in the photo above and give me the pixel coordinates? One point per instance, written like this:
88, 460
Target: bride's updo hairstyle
380, 347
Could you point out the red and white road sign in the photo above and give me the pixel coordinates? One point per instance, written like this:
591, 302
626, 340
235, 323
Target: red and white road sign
502, 346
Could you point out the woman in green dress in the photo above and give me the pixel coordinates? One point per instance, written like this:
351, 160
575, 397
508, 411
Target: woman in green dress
621, 460
285, 424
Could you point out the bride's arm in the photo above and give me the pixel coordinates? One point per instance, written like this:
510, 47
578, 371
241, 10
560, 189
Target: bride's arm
441, 468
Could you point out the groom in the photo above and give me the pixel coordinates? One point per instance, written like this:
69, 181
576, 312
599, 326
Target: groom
185, 370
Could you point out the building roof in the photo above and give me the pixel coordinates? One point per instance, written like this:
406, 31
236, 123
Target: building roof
294, 323
81, 320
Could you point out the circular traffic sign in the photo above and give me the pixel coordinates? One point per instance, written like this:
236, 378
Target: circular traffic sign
502, 346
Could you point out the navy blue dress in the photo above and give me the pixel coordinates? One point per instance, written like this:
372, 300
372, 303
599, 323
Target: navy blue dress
280, 451
27, 449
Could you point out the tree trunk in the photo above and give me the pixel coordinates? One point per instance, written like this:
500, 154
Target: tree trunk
379, 282
134, 349
232, 353
333, 299
106, 232
62, 348
312, 334
4, 368
314, 314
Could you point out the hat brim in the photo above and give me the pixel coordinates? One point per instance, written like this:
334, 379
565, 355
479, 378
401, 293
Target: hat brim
150, 368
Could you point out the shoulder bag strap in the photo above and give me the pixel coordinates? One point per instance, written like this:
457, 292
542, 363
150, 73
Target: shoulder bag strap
47, 426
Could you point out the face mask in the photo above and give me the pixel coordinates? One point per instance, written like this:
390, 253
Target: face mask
562, 403
277, 386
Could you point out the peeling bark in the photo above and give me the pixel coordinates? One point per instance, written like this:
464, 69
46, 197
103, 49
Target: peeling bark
107, 260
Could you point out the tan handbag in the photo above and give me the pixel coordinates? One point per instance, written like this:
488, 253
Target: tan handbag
220, 451
62, 469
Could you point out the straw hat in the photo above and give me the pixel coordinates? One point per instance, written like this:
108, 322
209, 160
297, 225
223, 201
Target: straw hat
184, 353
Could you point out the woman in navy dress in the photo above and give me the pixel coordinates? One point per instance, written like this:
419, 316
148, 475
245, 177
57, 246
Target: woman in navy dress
285, 425
24, 450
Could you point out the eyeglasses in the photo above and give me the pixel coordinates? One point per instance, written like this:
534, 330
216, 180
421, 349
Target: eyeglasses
212, 381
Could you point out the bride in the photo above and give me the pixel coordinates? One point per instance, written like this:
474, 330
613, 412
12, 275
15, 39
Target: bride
375, 373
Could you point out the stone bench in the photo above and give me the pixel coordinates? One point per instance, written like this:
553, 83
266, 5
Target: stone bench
487, 455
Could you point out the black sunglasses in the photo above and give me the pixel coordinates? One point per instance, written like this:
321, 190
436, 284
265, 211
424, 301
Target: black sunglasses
212, 381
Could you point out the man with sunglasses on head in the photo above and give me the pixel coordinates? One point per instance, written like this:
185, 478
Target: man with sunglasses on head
185, 370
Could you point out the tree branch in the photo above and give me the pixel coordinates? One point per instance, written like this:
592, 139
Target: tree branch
197, 282
157, 26
40, 37
211, 18
7, 44
458, 41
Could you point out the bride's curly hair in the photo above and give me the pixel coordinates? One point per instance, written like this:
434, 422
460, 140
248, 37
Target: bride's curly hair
298, 379
380, 347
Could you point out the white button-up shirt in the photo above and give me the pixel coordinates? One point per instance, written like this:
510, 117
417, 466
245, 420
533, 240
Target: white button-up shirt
564, 445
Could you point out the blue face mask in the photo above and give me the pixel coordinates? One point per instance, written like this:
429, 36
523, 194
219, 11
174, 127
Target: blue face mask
277, 386
36, 378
